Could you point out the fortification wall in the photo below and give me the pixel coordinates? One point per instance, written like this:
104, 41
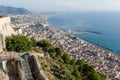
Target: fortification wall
6, 26
6, 29
1, 42
38, 68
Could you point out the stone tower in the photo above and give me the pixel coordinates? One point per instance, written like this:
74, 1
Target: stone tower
6, 29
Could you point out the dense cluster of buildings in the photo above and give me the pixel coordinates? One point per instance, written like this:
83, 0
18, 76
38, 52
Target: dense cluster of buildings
103, 60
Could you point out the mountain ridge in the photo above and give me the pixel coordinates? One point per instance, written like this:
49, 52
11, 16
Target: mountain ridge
5, 10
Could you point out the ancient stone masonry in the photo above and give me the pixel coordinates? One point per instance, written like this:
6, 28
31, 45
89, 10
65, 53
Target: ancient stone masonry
29, 68
6, 29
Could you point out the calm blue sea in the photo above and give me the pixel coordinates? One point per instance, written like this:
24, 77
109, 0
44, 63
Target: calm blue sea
106, 23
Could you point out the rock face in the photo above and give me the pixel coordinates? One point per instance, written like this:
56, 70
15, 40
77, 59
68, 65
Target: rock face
6, 29
3, 76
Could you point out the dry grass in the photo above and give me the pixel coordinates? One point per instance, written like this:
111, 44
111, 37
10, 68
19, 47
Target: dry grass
46, 67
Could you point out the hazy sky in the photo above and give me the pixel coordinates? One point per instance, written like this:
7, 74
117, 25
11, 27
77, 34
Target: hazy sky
65, 5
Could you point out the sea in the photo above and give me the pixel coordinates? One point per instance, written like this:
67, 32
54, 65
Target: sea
99, 28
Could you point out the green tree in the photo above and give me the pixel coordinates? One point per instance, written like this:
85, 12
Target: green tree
9, 44
50, 49
18, 43
80, 64
58, 51
72, 62
34, 42
66, 58
77, 74
44, 43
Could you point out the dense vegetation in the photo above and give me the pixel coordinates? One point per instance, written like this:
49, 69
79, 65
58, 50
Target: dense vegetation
18, 43
60, 64
65, 68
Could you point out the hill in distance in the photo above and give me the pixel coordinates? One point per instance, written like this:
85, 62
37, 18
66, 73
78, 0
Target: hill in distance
5, 10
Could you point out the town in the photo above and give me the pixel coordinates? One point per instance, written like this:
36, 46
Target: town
37, 27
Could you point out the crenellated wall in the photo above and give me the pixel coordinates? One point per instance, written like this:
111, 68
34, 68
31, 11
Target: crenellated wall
6, 29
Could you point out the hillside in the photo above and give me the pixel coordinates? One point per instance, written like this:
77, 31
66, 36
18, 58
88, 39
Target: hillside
5, 10
56, 64
59, 65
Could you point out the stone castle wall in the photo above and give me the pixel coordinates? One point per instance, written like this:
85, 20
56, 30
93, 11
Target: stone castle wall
6, 29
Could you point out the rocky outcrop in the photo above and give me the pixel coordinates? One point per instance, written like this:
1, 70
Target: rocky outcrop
3, 76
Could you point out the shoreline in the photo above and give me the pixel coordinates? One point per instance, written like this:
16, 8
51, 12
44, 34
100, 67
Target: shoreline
103, 61
95, 44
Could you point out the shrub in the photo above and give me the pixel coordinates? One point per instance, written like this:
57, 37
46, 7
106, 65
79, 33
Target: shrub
18, 43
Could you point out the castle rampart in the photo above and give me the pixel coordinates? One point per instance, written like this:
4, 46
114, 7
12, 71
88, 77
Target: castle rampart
6, 29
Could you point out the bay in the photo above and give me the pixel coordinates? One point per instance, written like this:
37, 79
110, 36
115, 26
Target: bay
105, 23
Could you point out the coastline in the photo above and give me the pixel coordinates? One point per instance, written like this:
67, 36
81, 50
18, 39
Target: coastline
101, 52
95, 44
103, 61
107, 33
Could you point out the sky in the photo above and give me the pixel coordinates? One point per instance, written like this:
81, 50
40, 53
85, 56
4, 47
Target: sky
64, 5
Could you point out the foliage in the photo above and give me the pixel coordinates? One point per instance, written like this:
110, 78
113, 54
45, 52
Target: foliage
72, 62
18, 43
34, 42
44, 43
48, 47
58, 51
66, 58
69, 69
